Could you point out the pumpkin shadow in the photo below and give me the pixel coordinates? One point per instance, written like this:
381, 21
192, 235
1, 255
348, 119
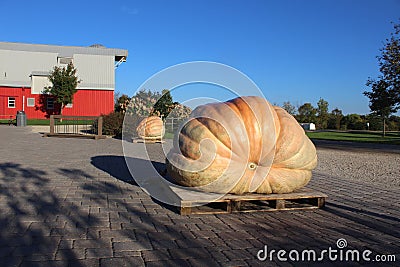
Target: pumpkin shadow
116, 166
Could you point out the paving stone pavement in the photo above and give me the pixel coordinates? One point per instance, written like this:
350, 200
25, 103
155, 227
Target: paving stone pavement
71, 202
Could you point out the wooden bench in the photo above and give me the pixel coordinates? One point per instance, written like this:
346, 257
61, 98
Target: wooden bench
11, 119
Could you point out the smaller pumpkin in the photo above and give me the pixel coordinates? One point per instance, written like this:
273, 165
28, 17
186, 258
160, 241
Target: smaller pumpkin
151, 128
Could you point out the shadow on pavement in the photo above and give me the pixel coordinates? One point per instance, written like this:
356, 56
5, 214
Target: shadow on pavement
34, 218
87, 221
116, 167
356, 146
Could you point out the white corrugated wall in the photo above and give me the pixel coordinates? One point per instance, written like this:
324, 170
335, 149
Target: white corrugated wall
95, 71
17, 66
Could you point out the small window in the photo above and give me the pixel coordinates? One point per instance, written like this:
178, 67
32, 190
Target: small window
11, 102
30, 102
64, 60
69, 105
50, 103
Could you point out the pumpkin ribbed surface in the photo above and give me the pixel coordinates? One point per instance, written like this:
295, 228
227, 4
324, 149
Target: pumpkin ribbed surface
151, 128
240, 146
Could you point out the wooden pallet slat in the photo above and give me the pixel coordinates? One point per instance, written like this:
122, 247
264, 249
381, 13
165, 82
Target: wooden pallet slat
198, 202
84, 136
147, 141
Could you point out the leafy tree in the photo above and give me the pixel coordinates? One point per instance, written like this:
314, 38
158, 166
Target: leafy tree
121, 103
389, 63
394, 123
375, 122
322, 114
384, 96
63, 84
142, 103
148, 103
289, 108
180, 112
353, 122
164, 104
306, 113
335, 118
382, 101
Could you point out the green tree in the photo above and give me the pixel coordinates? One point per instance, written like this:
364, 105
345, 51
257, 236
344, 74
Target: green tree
382, 100
353, 122
63, 84
164, 104
142, 103
289, 108
375, 122
335, 118
394, 123
389, 63
121, 103
306, 113
384, 97
322, 114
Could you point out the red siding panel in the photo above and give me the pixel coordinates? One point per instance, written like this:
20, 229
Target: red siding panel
6, 92
91, 103
86, 103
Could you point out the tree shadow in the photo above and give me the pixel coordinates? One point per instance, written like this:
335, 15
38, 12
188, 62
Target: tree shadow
75, 174
78, 217
356, 146
72, 217
36, 220
42, 106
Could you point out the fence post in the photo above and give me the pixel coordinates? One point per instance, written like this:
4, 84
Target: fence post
51, 124
100, 126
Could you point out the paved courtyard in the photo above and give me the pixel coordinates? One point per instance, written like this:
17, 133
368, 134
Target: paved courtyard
71, 202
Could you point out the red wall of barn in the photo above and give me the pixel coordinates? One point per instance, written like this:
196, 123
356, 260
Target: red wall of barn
86, 103
91, 103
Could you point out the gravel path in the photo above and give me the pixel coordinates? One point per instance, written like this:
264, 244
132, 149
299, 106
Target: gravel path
367, 166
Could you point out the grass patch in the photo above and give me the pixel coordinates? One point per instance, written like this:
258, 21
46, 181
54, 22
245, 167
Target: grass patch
6, 121
168, 135
44, 122
357, 136
30, 122
38, 122
41, 122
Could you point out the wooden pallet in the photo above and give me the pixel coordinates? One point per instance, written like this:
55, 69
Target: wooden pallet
84, 136
147, 141
192, 202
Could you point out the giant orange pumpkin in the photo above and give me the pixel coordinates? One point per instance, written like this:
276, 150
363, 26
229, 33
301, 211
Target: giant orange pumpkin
240, 146
151, 128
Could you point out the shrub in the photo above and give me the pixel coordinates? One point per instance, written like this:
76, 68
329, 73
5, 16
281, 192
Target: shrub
112, 124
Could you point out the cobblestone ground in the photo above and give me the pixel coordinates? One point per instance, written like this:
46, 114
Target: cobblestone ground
69, 202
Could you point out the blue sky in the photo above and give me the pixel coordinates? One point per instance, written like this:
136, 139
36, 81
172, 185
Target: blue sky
297, 50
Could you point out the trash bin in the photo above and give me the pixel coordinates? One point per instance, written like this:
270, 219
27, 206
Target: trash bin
21, 118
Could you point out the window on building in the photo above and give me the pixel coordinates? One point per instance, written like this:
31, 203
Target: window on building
69, 105
11, 102
64, 60
30, 102
50, 103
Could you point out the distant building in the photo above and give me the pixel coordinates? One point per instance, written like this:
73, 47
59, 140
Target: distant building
24, 70
308, 126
